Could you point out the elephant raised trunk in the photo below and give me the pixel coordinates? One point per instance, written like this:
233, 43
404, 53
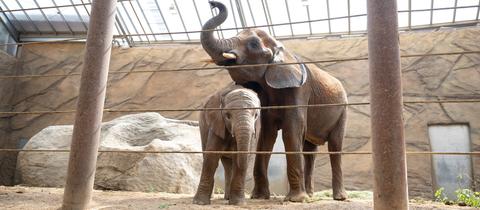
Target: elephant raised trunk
217, 47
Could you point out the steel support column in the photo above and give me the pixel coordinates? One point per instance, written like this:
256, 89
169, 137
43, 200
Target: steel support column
86, 131
388, 144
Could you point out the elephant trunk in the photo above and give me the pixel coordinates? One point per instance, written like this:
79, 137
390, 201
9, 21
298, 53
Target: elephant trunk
216, 47
244, 132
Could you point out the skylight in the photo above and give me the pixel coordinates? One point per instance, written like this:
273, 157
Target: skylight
151, 21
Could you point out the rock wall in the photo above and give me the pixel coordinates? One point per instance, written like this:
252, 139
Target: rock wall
424, 78
8, 65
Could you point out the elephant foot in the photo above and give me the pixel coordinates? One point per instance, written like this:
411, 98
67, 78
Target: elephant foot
260, 193
237, 201
309, 190
340, 195
310, 193
226, 196
201, 199
298, 196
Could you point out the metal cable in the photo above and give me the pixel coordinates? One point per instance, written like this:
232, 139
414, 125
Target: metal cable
241, 152
242, 108
236, 66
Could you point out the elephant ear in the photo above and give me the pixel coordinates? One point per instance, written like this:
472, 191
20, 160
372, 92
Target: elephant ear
285, 76
215, 121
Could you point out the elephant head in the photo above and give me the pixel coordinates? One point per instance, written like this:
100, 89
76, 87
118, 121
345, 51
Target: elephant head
251, 46
238, 120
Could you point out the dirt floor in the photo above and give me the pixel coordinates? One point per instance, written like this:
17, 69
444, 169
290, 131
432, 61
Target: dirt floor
51, 198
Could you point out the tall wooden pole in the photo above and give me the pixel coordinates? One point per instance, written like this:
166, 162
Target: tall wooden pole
388, 144
88, 119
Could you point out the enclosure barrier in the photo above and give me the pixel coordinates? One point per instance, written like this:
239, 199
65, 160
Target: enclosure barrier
390, 183
242, 108
242, 152
91, 100
82, 200
236, 66
264, 107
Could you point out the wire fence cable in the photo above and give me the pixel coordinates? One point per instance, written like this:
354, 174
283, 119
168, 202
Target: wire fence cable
237, 66
262, 107
241, 152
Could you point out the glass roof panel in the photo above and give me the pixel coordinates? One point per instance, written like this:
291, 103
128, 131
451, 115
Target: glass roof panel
148, 21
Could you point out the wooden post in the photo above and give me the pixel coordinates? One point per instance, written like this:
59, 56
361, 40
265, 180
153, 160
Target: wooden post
388, 144
88, 119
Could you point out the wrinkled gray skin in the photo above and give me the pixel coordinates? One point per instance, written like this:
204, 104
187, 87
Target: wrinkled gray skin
302, 128
228, 130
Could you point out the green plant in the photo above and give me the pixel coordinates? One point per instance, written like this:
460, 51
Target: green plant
218, 190
163, 206
468, 197
465, 197
441, 197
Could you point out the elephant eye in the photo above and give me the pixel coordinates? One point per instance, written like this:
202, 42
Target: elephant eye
228, 116
254, 44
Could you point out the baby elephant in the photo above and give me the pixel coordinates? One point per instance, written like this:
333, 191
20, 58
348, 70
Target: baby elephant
228, 130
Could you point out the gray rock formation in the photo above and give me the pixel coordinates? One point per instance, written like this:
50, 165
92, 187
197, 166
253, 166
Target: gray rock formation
175, 173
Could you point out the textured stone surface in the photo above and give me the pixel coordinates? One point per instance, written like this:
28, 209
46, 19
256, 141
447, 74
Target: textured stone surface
424, 78
176, 173
8, 65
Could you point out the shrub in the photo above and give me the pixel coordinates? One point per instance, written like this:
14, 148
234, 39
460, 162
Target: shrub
465, 197
468, 197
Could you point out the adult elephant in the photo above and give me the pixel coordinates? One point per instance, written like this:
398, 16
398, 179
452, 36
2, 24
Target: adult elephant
302, 128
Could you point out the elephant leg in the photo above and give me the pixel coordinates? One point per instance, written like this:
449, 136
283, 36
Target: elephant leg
266, 141
210, 164
227, 166
293, 131
309, 166
335, 139
237, 187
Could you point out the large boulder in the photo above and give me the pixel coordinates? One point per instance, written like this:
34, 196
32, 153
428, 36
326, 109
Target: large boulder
175, 173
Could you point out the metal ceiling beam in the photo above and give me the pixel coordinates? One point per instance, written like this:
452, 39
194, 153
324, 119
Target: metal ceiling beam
233, 15
45, 16
266, 18
251, 13
240, 13
63, 18
13, 17
10, 28
431, 11
127, 25
163, 19
80, 16
28, 17
139, 21
289, 18
329, 18
478, 9
266, 9
130, 19
181, 19
122, 30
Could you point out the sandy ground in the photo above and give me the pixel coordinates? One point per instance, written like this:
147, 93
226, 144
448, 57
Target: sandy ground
51, 198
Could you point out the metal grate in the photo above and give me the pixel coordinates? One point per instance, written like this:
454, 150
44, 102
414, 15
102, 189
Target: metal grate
152, 21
